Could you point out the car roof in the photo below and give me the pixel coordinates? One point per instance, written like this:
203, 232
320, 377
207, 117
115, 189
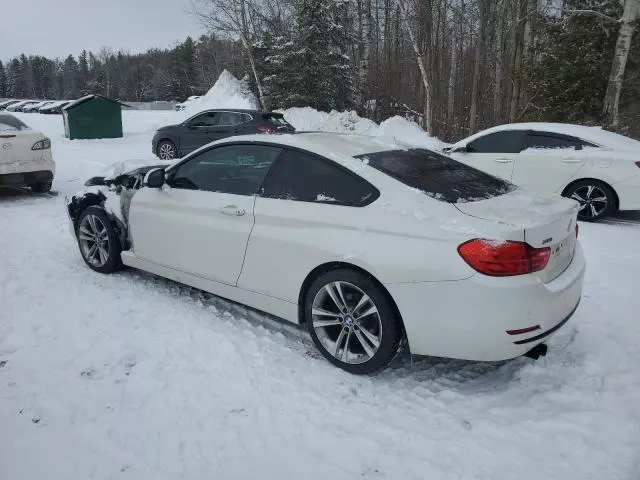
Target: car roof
325, 143
592, 134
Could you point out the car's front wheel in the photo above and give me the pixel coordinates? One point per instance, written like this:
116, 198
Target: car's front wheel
351, 321
596, 198
98, 241
167, 150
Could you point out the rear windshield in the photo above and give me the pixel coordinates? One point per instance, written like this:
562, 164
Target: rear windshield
276, 119
9, 123
438, 176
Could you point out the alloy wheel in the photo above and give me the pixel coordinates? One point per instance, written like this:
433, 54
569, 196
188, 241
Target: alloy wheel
94, 240
347, 322
167, 151
593, 200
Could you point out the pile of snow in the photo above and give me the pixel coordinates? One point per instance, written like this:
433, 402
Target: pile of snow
227, 92
398, 128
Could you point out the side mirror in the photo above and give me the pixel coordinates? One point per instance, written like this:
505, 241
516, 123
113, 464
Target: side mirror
154, 178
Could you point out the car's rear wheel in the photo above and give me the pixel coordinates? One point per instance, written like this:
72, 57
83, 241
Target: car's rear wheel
596, 198
351, 321
98, 241
167, 150
41, 187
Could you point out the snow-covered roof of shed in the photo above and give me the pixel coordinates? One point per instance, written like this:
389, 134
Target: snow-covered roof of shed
595, 135
86, 98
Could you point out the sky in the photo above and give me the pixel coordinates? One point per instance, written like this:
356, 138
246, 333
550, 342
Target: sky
56, 28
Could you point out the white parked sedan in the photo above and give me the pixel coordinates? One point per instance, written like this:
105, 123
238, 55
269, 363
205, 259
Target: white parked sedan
25, 156
365, 242
600, 169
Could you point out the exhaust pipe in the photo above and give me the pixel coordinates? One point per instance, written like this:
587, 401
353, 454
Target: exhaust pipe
536, 352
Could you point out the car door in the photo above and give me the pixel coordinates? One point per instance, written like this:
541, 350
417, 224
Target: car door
200, 221
494, 153
198, 131
308, 209
548, 161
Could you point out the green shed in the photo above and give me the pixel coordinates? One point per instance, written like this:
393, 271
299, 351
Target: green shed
93, 116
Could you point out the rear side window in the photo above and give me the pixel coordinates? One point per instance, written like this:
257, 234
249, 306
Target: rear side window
535, 140
510, 141
438, 176
304, 177
9, 123
229, 119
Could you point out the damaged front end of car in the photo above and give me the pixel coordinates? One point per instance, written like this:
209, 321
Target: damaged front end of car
113, 194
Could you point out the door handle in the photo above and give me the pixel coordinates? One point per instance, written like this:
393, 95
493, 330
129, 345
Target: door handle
233, 210
504, 160
571, 160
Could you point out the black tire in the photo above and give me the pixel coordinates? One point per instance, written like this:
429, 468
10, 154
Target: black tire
41, 187
384, 324
112, 260
597, 199
167, 150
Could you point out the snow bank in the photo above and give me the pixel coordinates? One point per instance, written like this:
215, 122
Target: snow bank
307, 118
398, 128
227, 92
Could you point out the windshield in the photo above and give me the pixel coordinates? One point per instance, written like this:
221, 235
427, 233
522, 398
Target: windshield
437, 176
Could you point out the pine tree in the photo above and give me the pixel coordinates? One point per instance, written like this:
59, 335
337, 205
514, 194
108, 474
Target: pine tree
3, 82
313, 69
570, 80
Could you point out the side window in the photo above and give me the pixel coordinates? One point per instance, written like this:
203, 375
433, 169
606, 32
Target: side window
237, 169
509, 141
306, 178
540, 140
246, 117
229, 119
207, 119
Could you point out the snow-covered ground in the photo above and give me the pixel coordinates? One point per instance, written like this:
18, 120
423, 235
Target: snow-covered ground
130, 376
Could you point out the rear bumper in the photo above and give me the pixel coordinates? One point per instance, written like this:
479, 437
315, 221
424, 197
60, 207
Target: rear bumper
469, 319
25, 178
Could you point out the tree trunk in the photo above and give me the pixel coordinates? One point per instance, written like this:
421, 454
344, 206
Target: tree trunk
497, 76
428, 113
517, 67
473, 112
451, 90
527, 48
244, 37
623, 45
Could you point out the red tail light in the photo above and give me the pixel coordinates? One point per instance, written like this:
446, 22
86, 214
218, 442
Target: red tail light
266, 129
504, 259
577, 229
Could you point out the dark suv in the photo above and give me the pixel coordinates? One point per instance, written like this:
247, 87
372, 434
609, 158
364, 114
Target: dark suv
175, 141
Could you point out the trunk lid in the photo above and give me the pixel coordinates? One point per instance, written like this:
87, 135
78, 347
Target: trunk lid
545, 222
15, 147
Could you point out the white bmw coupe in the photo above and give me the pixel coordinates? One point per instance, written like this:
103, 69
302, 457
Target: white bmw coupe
599, 169
364, 242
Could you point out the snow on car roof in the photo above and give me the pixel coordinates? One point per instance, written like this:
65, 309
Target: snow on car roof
325, 143
595, 135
